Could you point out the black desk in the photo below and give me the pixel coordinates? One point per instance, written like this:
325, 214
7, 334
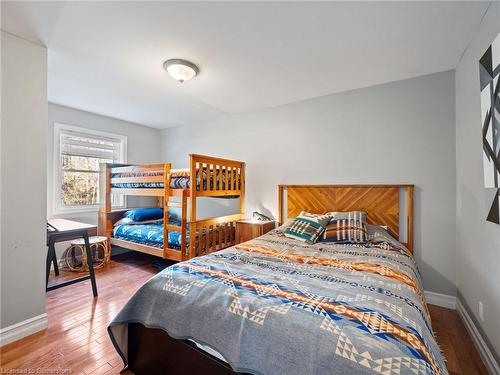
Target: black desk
59, 230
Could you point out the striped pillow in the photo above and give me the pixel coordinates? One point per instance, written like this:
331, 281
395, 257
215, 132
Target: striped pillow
307, 227
346, 227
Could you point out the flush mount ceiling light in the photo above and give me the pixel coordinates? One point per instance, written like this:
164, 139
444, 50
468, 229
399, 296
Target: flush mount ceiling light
181, 70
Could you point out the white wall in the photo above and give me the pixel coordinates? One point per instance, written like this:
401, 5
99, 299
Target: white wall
23, 179
143, 146
401, 132
478, 241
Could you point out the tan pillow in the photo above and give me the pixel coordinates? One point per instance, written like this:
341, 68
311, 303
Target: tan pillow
346, 227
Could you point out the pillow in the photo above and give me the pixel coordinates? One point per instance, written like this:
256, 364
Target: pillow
307, 227
174, 218
143, 214
129, 221
380, 233
346, 227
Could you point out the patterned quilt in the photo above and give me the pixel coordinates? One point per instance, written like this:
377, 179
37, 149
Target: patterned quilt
148, 234
275, 305
152, 235
179, 179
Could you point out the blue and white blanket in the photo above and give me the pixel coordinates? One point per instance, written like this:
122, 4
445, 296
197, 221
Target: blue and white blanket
275, 305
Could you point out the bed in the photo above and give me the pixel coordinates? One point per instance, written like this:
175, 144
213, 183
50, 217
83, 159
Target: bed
207, 176
275, 305
152, 235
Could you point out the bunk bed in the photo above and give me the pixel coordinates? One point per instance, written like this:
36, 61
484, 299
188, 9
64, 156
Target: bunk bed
206, 177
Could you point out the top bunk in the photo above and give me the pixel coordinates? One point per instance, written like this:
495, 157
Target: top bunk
206, 176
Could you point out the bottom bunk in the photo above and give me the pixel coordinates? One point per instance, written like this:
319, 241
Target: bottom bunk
143, 229
149, 238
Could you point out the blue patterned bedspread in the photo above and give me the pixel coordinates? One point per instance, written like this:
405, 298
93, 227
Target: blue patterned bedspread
180, 179
150, 234
274, 305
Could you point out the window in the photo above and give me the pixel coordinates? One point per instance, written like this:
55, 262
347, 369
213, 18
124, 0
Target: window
79, 153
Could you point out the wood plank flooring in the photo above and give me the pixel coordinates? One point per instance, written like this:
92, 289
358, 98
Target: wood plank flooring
461, 355
77, 342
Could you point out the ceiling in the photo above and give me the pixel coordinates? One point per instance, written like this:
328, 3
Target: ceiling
106, 57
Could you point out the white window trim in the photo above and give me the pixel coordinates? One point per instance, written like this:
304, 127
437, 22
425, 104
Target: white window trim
57, 178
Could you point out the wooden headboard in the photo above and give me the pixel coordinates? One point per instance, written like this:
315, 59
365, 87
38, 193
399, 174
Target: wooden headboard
382, 203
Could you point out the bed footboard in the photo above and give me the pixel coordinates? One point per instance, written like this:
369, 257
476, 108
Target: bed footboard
153, 351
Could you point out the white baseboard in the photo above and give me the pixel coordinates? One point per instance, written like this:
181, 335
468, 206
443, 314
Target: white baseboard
443, 300
485, 352
22, 329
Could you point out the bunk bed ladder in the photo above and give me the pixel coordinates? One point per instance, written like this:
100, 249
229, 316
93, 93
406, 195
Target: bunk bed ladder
192, 215
166, 195
213, 177
184, 196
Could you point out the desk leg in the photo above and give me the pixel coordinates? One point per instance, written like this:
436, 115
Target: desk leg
90, 264
54, 261
51, 254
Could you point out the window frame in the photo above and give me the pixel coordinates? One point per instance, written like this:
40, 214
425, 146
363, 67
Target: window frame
59, 208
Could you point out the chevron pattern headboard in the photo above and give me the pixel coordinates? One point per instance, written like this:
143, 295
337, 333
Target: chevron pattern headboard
381, 203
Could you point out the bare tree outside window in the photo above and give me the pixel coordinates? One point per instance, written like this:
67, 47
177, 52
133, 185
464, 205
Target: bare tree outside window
80, 180
80, 157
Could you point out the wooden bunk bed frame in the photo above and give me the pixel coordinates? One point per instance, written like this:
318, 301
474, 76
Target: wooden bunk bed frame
208, 177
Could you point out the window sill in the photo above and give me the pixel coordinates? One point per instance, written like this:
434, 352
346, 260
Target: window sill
75, 213
78, 211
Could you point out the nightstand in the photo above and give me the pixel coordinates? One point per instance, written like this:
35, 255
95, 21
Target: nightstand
247, 230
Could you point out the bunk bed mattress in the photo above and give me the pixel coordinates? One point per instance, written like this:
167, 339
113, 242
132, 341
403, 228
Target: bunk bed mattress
275, 305
152, 235
179, 179
146, 234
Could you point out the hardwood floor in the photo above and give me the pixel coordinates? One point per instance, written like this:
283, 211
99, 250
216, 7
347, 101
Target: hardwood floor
76, 341
76, 338
461, 355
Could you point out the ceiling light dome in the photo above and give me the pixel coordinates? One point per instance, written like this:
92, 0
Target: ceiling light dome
181, 70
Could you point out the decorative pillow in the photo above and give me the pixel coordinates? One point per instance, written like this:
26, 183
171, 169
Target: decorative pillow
307, 227
129, 221
346, 227
143, 214
380, 233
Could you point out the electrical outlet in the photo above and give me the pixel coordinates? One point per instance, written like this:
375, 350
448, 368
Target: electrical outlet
481, 311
